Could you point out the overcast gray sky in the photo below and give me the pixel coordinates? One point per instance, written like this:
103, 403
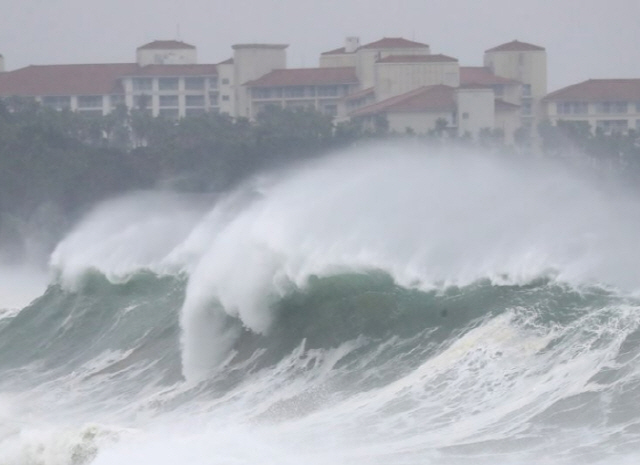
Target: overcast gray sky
584, 38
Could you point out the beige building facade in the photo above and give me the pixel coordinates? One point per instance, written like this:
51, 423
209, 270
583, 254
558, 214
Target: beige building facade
606, 105
393, 78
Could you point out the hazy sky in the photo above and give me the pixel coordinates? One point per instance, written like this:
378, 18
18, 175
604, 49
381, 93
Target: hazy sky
584, 38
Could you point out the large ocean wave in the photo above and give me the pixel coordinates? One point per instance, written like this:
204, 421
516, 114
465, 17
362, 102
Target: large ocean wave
386, 306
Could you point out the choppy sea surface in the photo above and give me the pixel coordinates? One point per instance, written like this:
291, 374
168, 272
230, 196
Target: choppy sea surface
383, 306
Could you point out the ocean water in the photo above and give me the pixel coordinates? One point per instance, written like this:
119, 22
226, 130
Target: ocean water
382, 306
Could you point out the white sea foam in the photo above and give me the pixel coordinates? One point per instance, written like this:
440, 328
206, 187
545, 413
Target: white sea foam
428, 219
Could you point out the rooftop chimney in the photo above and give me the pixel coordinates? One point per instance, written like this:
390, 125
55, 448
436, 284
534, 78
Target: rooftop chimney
351, 44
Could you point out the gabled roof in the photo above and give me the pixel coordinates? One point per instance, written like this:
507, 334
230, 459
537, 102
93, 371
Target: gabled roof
394, 42
165, 44
595, 90
384, 43
480, 75
516, 46
501, 105
306, 77
87, 79
424, 99
417, 59
92, 79
175, 70
360, 94
336, 51
228, 61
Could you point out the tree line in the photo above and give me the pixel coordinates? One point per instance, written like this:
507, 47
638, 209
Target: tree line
59, 163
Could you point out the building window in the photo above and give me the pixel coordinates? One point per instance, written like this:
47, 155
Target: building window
194, 83
168, 83
116, 100
612, 125
261, 92
142, 101
213, 82
169, 101
572, 108
58, 102
294, 91
637, 107
194, 100
612, 107
90, 101
225, 98
526, 108
638, 125
142, 84
327, 91
526, 90
225, 81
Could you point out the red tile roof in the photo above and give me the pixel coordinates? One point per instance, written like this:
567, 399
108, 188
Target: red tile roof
423, 99
64, 79
260, 46
166, 44
480, 75
516, 46
384, 43
175, 70
360, 94
87, 79
595, 90
394, 42
501, 105
417, 59
337, 51
306, 77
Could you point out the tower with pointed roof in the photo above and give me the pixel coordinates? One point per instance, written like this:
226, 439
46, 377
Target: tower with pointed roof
166, 52
526, 63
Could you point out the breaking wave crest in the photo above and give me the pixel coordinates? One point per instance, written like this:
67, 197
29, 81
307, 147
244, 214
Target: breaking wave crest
405, 307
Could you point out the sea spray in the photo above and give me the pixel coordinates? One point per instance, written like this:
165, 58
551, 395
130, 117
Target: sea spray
386, 305
430, 220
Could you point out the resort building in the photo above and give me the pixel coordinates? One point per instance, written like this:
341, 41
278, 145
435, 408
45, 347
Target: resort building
393, 79
607, 105
166, 80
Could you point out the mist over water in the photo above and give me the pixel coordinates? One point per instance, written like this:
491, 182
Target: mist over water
385, 305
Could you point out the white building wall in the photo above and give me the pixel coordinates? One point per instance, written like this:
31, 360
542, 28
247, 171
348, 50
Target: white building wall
398, 78
508, 122
338, 60
476, 110
1, 64
420, 123
366, 59
596, 118
151, 56
252, 61
528, 67
226, 93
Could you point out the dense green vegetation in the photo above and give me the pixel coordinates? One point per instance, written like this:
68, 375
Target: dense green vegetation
54, 165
